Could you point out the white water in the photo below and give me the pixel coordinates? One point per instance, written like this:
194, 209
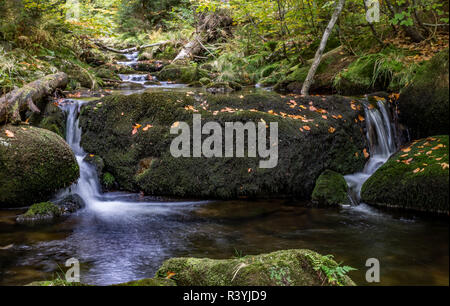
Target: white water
381, 137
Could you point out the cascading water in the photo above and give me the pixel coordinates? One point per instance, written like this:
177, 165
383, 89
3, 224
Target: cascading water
381, 137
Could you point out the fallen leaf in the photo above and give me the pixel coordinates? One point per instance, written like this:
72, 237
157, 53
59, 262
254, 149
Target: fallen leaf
331, 130
306, 127
361, 118
148, 126
170, 275
175, 124
9, 134
417, 170
366, 154
406, 150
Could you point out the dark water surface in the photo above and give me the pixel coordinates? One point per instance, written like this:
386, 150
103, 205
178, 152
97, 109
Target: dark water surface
118, 242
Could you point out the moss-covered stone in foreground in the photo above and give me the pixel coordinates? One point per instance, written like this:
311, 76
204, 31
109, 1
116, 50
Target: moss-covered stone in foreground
331, 189
34, 164
315, 133
416, 178
281, 268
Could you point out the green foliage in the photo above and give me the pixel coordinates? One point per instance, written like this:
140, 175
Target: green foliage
325, 266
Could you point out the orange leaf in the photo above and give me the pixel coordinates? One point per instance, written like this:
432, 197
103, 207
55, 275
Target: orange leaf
9, 134
417, 170
170, 275
306, 127
148, 126
331, 130
366, 154
361, 118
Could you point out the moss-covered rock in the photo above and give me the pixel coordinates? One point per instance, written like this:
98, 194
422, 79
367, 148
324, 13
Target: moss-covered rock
424, 104
416, 178
105, 72
49, 212
315, 133
149, 282
181, 74
51, 118
282, 268
323, 80
331, 189
149, 66
34, 164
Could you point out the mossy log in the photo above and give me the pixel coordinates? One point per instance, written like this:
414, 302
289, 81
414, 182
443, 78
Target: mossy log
18, 100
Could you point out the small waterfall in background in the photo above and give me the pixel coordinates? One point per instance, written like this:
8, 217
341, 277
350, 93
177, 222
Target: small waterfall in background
381, 137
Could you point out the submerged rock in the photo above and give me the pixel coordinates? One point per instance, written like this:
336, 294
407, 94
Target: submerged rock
424, 104
416, 178
331, 189
315, 133
48, 212
282, 268
34, 163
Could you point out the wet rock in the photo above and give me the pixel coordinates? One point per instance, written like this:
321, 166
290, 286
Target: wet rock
312, 138
282, 268
131, 86
34, 164
331, 189
416, 178
223, 87
49, 212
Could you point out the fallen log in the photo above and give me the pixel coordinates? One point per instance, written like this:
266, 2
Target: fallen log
210, 27
129, 50
21, 99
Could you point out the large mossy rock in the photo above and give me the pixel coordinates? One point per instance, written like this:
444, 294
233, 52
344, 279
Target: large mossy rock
315, 133
424, 104
323, 81
181, 74
34, 163
331, 189
416, 178
281, 268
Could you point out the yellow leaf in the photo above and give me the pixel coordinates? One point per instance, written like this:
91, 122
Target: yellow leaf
175, 124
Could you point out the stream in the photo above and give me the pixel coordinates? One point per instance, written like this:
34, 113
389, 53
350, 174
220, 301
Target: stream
121, 237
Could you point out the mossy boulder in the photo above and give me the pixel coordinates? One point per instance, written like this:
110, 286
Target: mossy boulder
416, 178
315, 134
424, 104
331, 189
105, 72
323, 80
34, 163
281, 268
149, 66
181, 73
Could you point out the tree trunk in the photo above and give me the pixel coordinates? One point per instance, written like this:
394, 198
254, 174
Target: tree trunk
323, 43
18, 100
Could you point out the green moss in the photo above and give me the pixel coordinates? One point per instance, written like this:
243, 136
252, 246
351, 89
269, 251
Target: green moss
43, 209
303, 156
331, 189
281, 268
182, 74
416, 178
108, 180
424, 104
374, 72
149, 282
34, 164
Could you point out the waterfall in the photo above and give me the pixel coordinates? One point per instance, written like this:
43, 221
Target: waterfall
88, 185
381, 137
